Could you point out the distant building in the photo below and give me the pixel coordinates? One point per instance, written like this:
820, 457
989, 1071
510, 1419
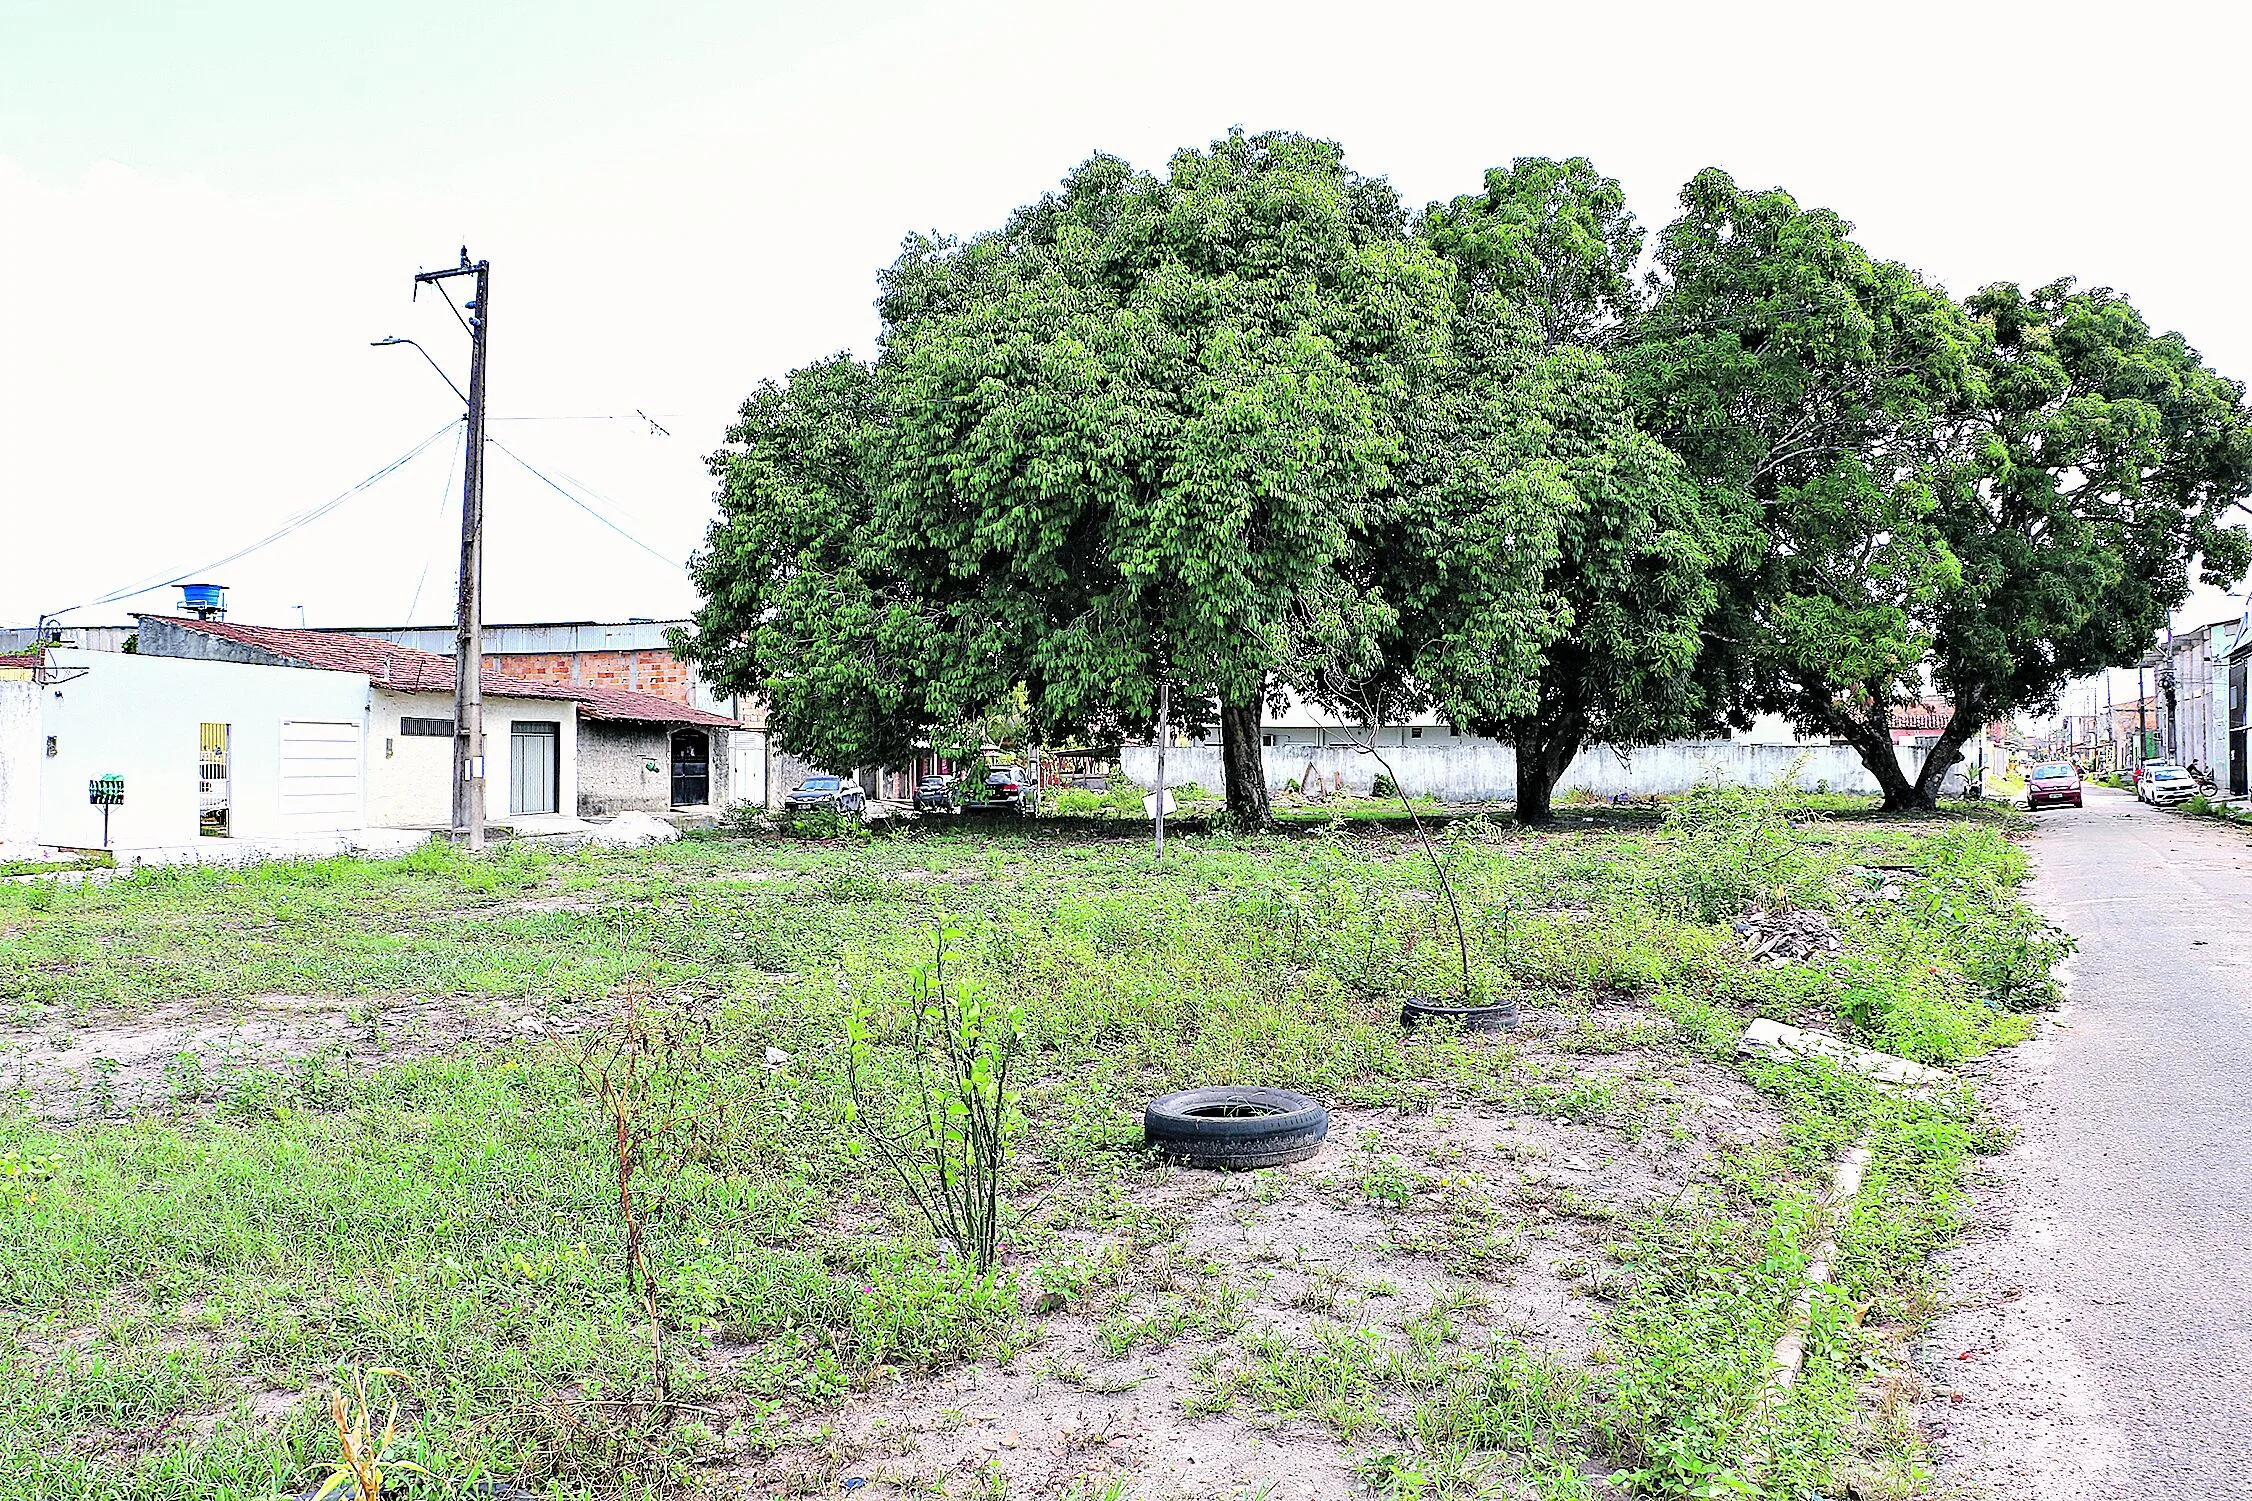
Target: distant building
2192, 683
634, 656
581, 748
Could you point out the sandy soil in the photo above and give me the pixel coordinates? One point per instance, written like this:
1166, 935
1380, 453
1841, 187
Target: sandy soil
1312, 1249
95, 1064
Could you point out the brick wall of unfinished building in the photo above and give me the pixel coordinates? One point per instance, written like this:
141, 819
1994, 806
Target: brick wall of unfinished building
647, 670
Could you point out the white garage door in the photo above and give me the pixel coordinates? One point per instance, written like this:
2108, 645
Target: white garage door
320, 776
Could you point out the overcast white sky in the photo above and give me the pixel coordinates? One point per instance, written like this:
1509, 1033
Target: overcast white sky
208, 210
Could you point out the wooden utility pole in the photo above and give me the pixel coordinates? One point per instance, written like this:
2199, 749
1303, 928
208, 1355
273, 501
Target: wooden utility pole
469, 634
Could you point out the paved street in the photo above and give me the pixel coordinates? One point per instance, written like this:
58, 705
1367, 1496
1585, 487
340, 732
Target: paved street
2106, 1307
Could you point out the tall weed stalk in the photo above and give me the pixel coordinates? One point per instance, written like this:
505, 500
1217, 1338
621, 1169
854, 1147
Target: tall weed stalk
942, 1121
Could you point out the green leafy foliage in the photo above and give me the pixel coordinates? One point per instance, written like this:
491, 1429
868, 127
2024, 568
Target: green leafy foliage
940, 1117
1805, 385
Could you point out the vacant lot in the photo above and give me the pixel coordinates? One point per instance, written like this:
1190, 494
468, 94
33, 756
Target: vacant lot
277, 1124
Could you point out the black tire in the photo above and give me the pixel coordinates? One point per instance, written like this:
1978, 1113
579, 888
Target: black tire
1235, 1127
1421, 1013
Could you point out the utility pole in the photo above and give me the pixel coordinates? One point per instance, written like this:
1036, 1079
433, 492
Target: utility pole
1164, 733
2142, 715
2111, 725
469, 634
2167, 684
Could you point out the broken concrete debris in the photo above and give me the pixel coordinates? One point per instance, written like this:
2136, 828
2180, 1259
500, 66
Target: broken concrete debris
1772, 1039
1773, 938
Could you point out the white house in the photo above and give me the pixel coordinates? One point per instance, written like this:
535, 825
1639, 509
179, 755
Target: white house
196, 751
570, 747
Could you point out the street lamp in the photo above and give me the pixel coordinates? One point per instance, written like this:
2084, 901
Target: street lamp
418, 349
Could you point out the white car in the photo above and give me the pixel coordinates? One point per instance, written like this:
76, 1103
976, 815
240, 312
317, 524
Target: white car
2164, 785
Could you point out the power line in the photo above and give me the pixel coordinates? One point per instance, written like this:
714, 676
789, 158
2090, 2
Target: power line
445, 493
302, 519
633, 416
582, 505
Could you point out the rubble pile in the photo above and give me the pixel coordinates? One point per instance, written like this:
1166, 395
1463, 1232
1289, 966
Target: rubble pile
1872, 883
1773, 938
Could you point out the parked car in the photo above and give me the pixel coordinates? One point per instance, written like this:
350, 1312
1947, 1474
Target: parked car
833, 793
1008, 789
935, 794
2053, 782
2163, 784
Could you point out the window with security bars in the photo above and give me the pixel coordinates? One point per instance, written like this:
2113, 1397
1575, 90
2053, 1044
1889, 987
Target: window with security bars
442, 728
212, 782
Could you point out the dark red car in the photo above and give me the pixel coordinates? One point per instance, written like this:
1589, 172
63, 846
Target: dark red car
2055, 782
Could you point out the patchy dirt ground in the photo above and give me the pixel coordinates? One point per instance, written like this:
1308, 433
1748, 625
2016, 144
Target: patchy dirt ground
1175, 1375
91, 1065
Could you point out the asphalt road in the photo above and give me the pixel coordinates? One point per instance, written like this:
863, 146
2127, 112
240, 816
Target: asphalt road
2099, 1344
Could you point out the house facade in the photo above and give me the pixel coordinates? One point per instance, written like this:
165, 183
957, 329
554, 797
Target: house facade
2193, 672
584, 749
195, 751
628, 767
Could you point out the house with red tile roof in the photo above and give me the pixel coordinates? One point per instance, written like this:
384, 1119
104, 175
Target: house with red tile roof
552, 747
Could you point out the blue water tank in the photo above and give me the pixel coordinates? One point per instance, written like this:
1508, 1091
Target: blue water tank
204, 601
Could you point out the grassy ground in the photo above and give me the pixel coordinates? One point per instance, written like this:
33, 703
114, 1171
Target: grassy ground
1550, 1264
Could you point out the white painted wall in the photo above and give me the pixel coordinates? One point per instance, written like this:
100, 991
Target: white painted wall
1472, 770
22, 750
410, 777
141, 718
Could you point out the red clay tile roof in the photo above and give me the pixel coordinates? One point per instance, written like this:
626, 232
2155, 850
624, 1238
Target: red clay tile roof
408, 669
1924, 716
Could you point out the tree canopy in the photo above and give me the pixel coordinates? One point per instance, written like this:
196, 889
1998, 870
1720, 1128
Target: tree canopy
1616, 533
1244, 424
1805, 384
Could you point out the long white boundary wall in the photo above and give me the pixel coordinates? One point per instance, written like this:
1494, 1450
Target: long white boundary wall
1484, 771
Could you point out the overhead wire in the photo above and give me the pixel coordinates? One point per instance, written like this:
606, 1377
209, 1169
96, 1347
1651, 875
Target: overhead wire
543, 478
445, 493
294, 523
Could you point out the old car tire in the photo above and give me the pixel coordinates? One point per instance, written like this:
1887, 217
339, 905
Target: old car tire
1235, 1127
1421, 1013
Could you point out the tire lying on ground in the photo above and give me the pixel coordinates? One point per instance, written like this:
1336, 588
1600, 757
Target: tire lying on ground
1497, 1018
1235, 1127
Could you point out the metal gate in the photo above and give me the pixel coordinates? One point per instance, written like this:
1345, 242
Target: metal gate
533, 748
214, 790
2237, 768
320, 775
691, 769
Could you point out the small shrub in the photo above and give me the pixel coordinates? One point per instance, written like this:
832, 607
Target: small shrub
823, 823
1731, 847
1383, 786
946, 1134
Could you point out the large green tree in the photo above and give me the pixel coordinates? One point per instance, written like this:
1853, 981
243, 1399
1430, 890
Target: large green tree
1108, 445
1985, 501
1619, 540
2096, 464
1806, 386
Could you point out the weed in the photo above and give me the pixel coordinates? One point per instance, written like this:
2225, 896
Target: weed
647, 1072
952, 1148
364, 1463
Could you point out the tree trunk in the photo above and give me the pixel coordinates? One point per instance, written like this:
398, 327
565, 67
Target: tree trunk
1541, 761
1873, 744
1961, 726
1241, 764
